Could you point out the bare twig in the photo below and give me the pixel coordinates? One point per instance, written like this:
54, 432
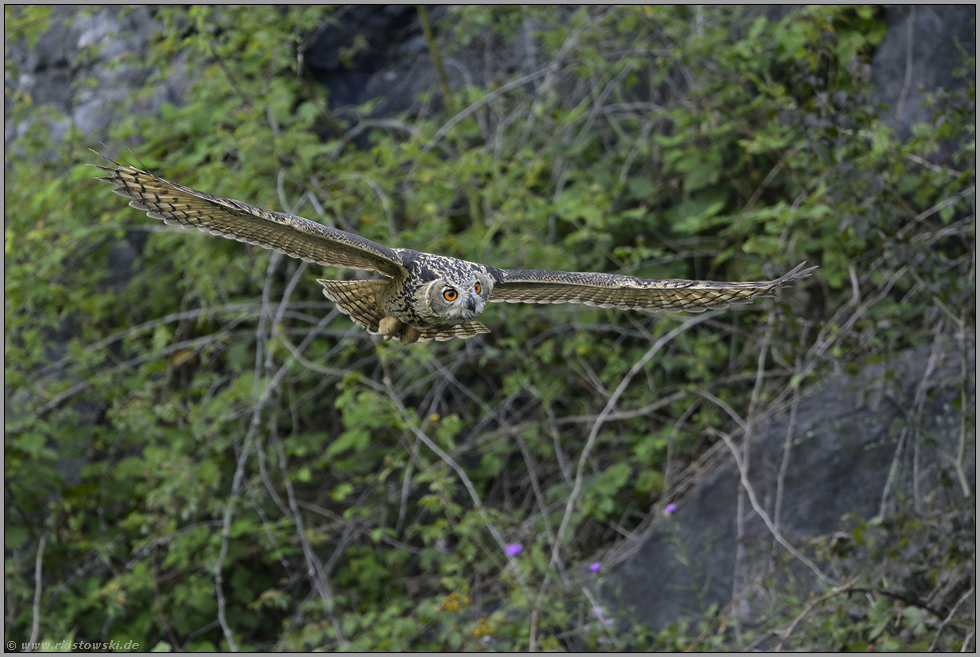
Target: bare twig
451, 462
533, 633
787, 449
36, 612
315, 571
158, 605
368, 124
846, 588
81, 386
685, 416
468, 111
166, 319
961, 447
904, 436
606, 411
949, 617
272, 385
243, 455
938, 207
743, 475
834, 328
634, 151
385, 201
406, 486
909, 48
740, 547
536, 487
434, 51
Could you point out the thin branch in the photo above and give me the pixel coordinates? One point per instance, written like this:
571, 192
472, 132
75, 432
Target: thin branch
846, 588
787, 449
448, 460
606, 411
468, 111
536, 487
385, 201
685, 416
740, 547
949, 617
942, 205
406, 486
166, 319
367, 124
515, 428
762, 513
835, 328
917, 403
966, 641
158, 605
226, 523
244, 454
81, 386
909, 48
315, 571
36, 612
434, 51
961, 447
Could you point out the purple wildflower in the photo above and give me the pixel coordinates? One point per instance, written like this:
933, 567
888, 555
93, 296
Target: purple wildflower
596, 566
513, 549
670, 508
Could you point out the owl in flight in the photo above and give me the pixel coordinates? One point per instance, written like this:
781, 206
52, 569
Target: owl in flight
425, 296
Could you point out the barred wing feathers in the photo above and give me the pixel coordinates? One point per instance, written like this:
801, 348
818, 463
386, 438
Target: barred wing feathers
294, 236
629, 292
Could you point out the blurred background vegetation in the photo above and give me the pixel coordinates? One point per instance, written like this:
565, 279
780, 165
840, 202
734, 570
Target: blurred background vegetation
201, 453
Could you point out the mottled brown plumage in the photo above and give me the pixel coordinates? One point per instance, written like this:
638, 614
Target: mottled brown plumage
426, 296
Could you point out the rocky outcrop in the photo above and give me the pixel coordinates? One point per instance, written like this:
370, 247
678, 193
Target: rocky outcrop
379, 52
858, 444
923, 47
86, 67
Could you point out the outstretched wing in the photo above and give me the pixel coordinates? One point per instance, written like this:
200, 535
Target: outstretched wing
628, 292
294, 236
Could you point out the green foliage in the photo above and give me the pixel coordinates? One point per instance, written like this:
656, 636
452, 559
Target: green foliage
209, 408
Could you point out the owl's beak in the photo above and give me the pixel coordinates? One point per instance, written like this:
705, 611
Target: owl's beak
472, 304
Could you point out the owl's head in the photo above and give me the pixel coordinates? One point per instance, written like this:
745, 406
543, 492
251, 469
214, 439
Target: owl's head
458, 298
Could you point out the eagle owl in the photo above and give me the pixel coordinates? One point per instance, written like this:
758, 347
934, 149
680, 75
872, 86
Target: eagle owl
425, 296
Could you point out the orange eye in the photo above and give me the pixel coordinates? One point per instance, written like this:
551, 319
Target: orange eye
450, 294
478, 288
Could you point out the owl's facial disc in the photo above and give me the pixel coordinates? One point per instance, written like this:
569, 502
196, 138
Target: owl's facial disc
458, 300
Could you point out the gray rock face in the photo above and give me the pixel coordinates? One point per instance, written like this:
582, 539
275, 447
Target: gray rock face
396, 65
923, 46
103, 46
385, 68
858, 444
87, 68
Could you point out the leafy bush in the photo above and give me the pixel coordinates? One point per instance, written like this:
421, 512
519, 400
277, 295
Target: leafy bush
212, 456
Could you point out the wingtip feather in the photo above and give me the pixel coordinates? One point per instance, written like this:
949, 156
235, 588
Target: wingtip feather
796, 273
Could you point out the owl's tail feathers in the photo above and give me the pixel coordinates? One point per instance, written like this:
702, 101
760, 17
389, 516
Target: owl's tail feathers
361, 300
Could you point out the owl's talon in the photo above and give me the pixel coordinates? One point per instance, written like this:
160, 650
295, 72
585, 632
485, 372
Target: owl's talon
390, 328
409, 335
